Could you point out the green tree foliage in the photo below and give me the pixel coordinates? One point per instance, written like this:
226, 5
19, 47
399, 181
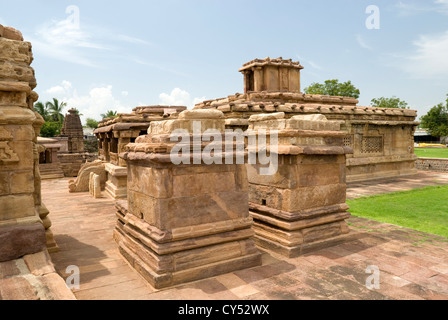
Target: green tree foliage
51, 129
41, 109
56, 108
91, 123
51, 111
109, 114
334, 88
436, 121
393, 102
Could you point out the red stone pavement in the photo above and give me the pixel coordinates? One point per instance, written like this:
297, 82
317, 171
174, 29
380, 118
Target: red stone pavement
413, 265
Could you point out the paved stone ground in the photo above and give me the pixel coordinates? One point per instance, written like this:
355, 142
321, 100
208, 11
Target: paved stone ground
413, 265
379, 186
32, 277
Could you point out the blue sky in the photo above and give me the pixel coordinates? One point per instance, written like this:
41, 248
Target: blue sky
109, 55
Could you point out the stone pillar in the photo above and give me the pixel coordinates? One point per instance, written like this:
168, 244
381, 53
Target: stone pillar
302, 207
184, 222
21, 229
95, 185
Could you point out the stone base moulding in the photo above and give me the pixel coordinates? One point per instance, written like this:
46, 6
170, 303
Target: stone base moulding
311, 230
165, 261
302, 206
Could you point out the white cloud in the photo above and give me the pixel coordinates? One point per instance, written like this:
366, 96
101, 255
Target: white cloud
124, 93
3, 21
362, 43
66, 41
179, 97
133, 40
91, 105
72, 40
413, 8
313, 65
60, 90
158, 66
429, 58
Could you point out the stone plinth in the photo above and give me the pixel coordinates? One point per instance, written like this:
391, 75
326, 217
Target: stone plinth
21, 229
302, 206
184, 222
117, 180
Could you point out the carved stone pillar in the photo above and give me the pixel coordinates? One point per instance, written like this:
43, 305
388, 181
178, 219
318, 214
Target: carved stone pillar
302, 207
21, 229
189, 221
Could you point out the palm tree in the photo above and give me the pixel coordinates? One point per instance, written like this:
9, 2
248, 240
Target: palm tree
41, 109
109, 114
56, 109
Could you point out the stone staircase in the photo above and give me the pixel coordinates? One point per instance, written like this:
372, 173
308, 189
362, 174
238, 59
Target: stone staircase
51, 171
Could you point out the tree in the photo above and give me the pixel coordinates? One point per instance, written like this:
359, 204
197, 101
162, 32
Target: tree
51, 129
436, 121
91, 123
41, 109
56, 109
78, 112
393, 102
109, 114
334, 88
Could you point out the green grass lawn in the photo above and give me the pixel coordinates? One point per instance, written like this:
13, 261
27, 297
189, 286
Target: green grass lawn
424, 210
431, 152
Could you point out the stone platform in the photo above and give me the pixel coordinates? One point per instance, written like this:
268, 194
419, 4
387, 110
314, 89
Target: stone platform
413, 265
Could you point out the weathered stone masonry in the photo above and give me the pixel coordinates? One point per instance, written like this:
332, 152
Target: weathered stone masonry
24, 223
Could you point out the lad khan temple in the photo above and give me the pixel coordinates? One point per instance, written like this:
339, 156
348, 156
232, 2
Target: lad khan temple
180, 223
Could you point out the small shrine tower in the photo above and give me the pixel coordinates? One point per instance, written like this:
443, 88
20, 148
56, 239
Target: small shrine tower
271, 75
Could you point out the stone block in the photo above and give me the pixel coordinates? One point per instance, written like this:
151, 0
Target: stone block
4, 183
20, 240
39, 263
16, 206
22, 182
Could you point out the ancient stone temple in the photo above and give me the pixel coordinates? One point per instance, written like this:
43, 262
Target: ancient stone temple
381, 139
48, 158
186, 221
302, 206
24, 223
115, 133
75, 156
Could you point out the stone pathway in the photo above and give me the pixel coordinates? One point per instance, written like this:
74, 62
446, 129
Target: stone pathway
420, 180
412, 265
32, 277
